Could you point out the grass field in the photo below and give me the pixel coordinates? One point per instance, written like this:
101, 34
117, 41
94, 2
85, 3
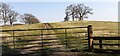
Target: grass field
100, 28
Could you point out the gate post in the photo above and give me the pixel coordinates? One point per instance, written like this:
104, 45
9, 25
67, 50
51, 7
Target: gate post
90, 39
13, 39
66, 39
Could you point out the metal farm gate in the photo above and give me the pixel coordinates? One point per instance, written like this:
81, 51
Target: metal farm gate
46, 41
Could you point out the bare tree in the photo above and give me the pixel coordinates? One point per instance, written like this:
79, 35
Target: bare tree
79, 11
4, 10
12, 16
71, 10
67, 15
28, 18
83, 11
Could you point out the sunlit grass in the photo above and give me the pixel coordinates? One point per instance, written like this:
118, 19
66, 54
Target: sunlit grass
74, 41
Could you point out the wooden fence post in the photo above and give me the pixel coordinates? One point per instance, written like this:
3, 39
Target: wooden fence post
13, 40
66, 39
90, 39
42, 38
100, 43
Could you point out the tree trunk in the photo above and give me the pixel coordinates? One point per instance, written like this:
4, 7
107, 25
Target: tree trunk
66, 17
10, 22
81, 18
73, 17
4, 23
4, 19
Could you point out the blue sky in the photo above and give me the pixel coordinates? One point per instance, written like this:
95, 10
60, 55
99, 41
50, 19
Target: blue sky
54, 11
60, 0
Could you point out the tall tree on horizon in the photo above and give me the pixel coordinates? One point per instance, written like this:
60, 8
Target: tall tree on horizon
71, 10
83, 11
12, 16
28, 18
4, 10
79, 11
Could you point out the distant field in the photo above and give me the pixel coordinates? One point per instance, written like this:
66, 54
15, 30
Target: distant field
100, 28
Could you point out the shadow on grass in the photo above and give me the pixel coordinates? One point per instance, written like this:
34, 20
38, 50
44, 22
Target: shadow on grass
6, 51
49, 52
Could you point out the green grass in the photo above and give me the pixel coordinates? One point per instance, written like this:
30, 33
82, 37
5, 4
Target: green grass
100, 28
